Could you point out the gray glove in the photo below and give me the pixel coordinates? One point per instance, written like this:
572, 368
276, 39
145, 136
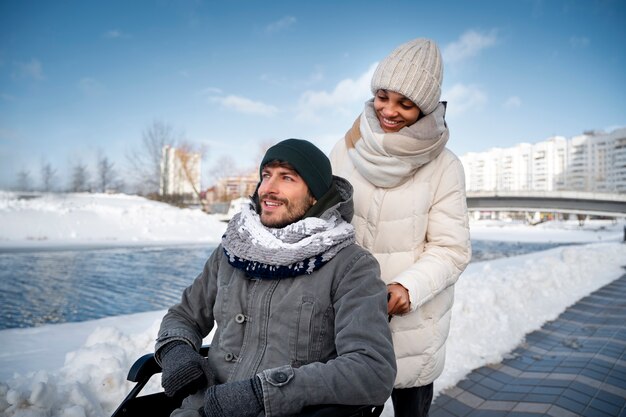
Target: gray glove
234, 399
184, 370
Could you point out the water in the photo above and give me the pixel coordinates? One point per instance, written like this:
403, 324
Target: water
42, 287
485, 250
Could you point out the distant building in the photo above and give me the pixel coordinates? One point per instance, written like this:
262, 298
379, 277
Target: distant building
218, 197
232, 187
180, 173
592, 162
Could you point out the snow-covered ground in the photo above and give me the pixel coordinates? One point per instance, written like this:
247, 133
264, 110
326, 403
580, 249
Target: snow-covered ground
72, 220
79, 369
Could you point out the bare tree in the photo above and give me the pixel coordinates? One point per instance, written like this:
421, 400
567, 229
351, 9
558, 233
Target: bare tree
106, 175
145, 162
80, 178
48, 176
24, 181
224, 167
190, 157
263, 146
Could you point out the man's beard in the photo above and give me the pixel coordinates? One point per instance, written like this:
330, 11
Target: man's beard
294, 211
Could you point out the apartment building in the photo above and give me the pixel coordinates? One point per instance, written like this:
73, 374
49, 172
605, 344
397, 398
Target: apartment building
592, 162
230, 188
617, 176
180, 173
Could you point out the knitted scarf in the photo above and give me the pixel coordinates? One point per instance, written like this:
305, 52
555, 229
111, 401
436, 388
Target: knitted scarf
389, 159
273, 253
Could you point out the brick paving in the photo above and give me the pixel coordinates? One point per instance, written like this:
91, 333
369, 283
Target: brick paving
572, 366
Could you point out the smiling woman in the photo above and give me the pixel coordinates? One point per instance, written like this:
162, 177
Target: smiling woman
405, 179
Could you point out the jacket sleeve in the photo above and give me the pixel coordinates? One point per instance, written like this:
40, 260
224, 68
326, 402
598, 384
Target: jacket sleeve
447, 249
364, 370
192, 319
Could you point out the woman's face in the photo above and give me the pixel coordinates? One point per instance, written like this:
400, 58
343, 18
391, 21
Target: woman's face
394, 111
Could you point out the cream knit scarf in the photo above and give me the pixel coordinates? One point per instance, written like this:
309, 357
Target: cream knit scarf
389, 159
299, 248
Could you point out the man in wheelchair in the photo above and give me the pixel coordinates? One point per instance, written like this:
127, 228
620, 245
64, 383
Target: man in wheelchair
300, 309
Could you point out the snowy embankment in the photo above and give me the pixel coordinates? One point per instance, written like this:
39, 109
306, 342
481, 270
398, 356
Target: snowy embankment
96, 220
79, 369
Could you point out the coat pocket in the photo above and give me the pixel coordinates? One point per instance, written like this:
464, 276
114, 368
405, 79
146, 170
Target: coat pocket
302, 336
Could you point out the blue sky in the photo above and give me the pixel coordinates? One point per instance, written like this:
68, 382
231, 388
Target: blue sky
80, 77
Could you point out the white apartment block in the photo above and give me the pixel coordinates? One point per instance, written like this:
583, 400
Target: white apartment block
180, 172
592, 162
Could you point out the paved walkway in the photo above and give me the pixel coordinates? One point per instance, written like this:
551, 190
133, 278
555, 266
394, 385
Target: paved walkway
573, 366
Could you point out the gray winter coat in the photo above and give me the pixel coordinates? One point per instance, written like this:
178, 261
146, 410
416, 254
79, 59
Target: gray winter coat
314, 339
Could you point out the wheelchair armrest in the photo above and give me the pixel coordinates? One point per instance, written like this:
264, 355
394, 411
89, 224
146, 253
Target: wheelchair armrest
143, 368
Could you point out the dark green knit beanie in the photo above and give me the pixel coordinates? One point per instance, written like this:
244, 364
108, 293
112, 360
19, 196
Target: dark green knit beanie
310, 163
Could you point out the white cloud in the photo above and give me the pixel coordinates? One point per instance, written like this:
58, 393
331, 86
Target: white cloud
245, 105
326, 142
114, 34
281, 24
316, 76
579, 41
90, 87
31, 69
345, 93
469, 45
513, 102
463, 98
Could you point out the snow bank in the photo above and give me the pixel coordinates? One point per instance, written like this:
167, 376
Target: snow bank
498, 302
49, 220
569, 231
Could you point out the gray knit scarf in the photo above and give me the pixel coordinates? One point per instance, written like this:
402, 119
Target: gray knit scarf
389, 159
297, 249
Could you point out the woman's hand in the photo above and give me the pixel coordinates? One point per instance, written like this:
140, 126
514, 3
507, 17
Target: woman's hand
399, 302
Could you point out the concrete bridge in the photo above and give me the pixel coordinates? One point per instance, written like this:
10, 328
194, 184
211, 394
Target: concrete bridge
597, 204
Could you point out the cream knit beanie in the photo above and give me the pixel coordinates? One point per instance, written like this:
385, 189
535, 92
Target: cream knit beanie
415, 70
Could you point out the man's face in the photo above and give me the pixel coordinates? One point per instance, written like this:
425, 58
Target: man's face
284, 197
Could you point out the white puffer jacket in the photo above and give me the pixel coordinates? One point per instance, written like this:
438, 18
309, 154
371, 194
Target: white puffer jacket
419, 233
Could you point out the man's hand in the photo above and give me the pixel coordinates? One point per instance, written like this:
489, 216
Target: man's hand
240, 398
184, 370
399, 302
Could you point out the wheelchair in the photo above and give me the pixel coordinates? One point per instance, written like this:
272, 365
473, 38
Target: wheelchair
160, 405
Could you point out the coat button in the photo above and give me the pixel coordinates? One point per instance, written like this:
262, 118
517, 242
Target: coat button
229, 357
280, 377
240, 318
